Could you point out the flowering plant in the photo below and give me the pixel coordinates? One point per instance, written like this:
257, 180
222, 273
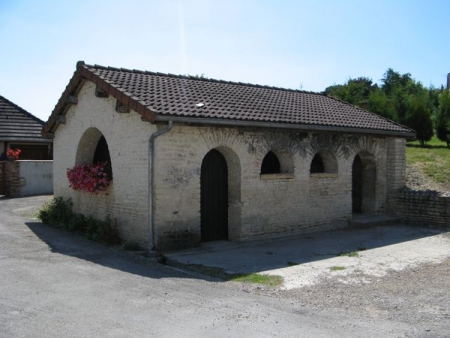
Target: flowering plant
91, 178
13, 153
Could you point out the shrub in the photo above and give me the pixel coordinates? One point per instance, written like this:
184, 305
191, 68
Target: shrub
58, 213
77, 223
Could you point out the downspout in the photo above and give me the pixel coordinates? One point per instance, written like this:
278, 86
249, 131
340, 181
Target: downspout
151, 157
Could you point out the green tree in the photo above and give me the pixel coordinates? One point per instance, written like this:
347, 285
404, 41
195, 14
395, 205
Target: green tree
393, 80
443, 117
419, 117
391, 99
400, 101
336, 91
378, 103
399, 88
354, 91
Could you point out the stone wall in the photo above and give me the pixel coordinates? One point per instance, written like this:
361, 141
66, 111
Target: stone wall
12, 180
126, 199
260, 206
422, 207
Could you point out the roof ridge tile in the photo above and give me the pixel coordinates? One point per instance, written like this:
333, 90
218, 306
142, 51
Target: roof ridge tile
196, 78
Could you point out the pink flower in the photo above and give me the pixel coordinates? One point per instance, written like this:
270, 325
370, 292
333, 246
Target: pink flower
92, 178
13, 153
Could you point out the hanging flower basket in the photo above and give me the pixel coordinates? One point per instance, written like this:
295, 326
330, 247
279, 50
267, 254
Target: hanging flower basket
91, 178
13, 154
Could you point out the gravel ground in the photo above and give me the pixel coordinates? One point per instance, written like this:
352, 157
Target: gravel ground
417, 180
418, 297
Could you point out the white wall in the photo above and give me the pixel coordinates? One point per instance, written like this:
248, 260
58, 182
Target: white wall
37, 177
261, 207
126, 199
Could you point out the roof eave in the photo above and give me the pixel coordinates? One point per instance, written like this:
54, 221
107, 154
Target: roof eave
25, 140
76, 82
278, 125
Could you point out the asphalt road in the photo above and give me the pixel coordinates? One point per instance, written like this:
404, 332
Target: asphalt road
55, 284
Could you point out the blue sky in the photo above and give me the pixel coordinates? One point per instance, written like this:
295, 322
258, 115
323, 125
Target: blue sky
298, 44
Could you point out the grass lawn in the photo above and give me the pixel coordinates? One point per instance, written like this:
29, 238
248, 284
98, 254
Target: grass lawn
434, 159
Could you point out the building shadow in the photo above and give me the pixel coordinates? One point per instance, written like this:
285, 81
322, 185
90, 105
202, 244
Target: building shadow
66, 243
232, 257
271, 254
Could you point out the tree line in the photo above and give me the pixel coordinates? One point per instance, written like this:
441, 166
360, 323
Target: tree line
401, 99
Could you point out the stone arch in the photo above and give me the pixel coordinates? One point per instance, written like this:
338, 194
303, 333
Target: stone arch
234, 189
87, 145
284, 158
324, 162
286, 161
270, 164
93, 147
364, 182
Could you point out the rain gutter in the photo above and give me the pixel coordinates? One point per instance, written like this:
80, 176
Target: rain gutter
299, 127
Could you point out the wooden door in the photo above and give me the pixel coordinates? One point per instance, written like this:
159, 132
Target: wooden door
357, 178
214, 197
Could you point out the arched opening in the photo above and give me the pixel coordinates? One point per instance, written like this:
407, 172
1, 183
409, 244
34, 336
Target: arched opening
317, 165
364, 178
93, 148
270, 164
101, 155
87, 146
214, 197
357, 185
324, 162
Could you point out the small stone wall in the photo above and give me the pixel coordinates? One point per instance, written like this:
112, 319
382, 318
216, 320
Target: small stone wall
12, 181
426, 207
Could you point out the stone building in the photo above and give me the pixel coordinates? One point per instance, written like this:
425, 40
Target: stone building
197, 159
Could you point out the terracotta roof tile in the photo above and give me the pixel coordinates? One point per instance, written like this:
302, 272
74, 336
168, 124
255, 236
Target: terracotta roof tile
178, 95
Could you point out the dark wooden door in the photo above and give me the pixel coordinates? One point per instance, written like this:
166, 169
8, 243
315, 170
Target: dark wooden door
214, 197
357, 175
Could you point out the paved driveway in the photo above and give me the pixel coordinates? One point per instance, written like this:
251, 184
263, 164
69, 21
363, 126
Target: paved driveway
54, 284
